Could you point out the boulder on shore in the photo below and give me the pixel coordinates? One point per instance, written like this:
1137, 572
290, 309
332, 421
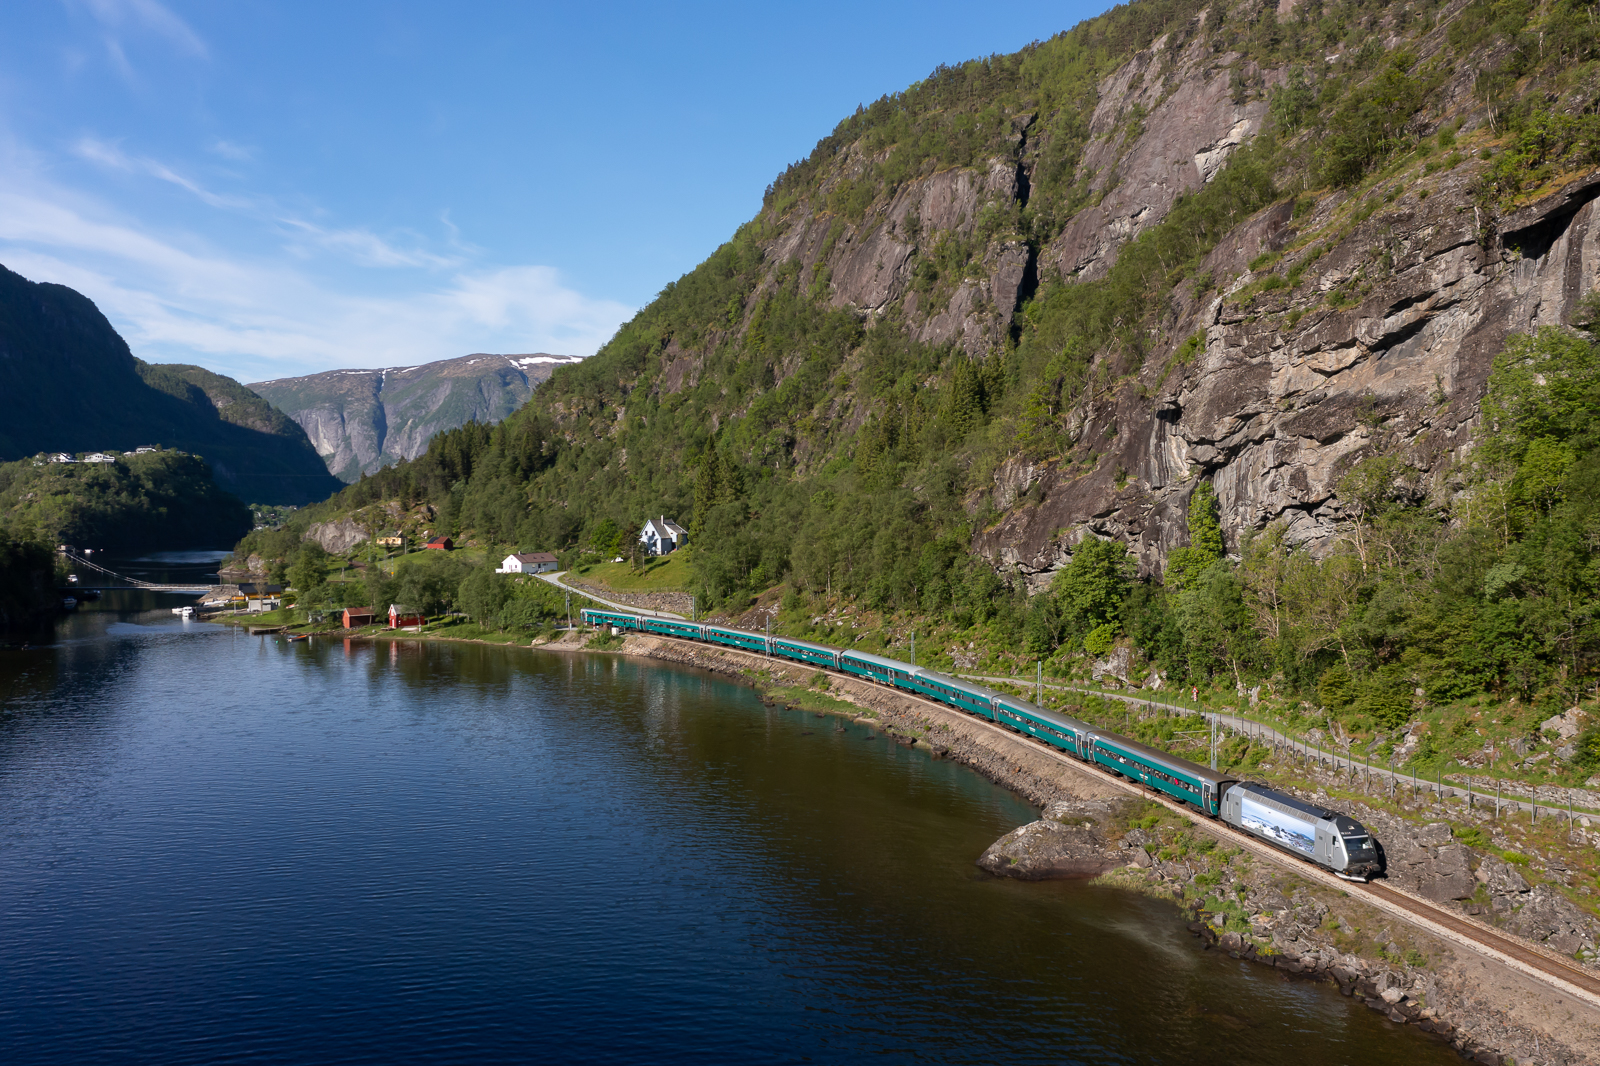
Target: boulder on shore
1069, 841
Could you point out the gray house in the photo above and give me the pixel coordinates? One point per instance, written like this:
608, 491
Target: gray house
662, 535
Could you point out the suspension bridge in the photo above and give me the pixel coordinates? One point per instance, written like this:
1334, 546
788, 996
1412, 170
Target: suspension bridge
132, 582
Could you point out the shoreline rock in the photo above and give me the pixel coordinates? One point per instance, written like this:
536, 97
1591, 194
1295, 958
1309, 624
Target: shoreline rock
1069, 841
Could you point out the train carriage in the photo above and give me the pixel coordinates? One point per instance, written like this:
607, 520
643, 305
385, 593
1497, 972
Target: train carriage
673, 628
962, 695
737, 638
877, 668
617, 619
1179, 778
1056, 730
805, 652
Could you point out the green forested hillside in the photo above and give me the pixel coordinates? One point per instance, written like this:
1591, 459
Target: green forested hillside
159, 500
27, 581
842, 449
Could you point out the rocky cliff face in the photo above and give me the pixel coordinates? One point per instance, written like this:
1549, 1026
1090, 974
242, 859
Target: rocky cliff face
1403, 291
363, 420
1290, 389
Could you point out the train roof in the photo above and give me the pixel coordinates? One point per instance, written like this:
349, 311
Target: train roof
959, 682
883, 661
1299, 806
794, 642
1155, 755
1054, 717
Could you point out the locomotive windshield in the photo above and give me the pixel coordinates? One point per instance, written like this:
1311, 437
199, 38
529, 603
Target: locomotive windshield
1358, 847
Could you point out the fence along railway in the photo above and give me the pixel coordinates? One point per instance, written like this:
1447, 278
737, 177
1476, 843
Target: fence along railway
1525, 958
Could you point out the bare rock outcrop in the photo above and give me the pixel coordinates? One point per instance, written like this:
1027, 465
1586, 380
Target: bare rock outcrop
337, 537
1429, 862
1156, 133
1069, 841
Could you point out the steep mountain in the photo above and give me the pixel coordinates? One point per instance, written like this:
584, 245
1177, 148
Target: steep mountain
363, 420
1230, 286
73, 385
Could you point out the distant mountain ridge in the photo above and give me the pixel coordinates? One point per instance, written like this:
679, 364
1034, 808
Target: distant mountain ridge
72, 384
362, 420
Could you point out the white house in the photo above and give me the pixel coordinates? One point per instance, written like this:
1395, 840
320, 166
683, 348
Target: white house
528, 563
62, 457
145, 449
99, 457
662, 535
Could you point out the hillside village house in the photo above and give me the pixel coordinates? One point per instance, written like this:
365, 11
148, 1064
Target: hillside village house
528, 563
441, 544
356, 617
391, 540
401, 616
99, 457
662, 535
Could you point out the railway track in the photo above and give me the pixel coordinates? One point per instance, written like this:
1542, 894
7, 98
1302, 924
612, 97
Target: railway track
1530, 960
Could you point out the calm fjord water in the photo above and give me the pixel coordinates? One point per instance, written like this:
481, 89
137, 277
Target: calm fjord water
222, 847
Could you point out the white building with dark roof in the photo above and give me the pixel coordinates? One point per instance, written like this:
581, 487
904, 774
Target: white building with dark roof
662, 535
528, 563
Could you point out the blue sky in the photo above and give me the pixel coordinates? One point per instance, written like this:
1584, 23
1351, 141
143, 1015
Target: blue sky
269, 189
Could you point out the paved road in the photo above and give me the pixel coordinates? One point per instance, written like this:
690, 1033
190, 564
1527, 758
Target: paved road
1553, 800
555, 579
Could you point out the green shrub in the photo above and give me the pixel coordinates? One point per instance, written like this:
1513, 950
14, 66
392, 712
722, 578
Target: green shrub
1101, 639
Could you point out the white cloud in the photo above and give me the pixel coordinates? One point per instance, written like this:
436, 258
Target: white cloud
116, 16
359, 246
176, 298
237, 152
112, 157
363, 247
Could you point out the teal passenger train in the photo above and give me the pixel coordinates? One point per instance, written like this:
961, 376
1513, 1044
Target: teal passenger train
1328, 838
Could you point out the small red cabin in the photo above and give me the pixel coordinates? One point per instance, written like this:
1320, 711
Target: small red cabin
401, 616
443, 544
356, 617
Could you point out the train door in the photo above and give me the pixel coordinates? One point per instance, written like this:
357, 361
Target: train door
1208, 801
1086, 748
1322, 850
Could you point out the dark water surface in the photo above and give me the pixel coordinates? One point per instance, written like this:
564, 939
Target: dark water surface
217, 847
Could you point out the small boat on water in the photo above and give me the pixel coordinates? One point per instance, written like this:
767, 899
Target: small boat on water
68, 603
184, 612
297, 637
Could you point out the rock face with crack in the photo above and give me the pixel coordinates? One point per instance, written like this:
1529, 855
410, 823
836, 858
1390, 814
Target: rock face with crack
1290, 389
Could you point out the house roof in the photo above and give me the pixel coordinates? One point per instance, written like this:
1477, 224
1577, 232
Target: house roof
440, 540
534, 557
664, 527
